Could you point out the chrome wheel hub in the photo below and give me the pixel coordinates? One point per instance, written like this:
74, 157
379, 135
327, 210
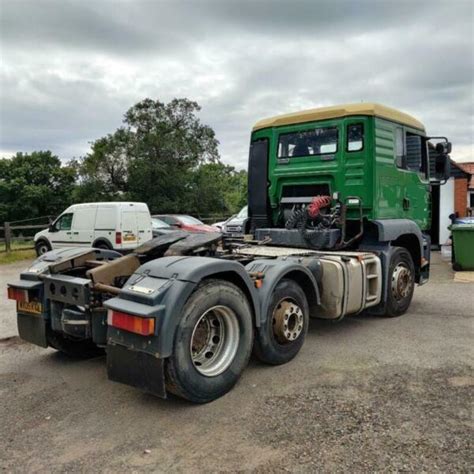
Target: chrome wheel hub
402, 281
214, 341
287, 321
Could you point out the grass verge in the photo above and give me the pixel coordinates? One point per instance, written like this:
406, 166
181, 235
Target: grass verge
16, 256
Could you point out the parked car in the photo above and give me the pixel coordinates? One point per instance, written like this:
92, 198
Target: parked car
160, 227
184, 222
221, 224
106, 225
236, 225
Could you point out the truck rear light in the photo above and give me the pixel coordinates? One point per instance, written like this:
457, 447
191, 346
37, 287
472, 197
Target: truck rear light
118, 238
17, 294
131, 323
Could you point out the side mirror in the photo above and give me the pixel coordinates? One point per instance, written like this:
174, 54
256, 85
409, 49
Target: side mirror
442, 169
178, 224
51, 228
440, 161
444, 148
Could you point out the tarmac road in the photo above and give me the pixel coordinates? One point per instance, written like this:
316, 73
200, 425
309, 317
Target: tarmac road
364, 394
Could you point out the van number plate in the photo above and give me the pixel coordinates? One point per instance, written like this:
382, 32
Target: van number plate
129, 237
30, 307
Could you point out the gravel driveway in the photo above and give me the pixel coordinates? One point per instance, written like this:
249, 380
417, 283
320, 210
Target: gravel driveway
365, 394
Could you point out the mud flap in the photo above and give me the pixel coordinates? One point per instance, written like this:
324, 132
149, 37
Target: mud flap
32, 328
137, 369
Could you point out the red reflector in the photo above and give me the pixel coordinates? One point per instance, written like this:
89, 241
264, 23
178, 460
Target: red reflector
118, 238
17, 294
130, 323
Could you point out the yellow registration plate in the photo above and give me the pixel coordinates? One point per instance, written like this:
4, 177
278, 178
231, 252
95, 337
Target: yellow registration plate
30, 307
129, 237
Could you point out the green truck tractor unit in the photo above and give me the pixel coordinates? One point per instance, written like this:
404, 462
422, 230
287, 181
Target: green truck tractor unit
339, 220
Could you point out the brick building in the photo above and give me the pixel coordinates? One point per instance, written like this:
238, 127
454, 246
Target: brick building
465, 190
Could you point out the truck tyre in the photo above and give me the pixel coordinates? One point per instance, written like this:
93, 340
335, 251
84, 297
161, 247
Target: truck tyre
79, 349
41, 247
212, 343
401, 283
282, 334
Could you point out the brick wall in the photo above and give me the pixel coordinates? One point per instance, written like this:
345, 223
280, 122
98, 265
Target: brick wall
460, 196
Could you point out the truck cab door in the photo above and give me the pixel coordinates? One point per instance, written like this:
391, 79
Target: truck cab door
61, 235
415, 201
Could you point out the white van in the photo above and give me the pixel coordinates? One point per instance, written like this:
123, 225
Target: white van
110, 225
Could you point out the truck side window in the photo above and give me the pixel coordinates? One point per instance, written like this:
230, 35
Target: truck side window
399, 147
355, 137
414, 152
65, 221
320, 141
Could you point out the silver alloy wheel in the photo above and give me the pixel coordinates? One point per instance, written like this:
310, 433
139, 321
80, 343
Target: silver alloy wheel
287, 321
215, 340
402, 281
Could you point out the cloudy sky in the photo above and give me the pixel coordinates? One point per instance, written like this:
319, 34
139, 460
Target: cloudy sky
70, 69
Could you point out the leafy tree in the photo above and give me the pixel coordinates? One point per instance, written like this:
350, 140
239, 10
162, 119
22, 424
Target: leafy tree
33, 185
152, 158
235, 194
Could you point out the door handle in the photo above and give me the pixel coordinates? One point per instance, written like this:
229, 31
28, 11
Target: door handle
141, 231
76, 233
68, 233
406, 204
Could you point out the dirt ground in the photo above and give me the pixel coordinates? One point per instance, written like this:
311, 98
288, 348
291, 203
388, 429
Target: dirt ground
365, 394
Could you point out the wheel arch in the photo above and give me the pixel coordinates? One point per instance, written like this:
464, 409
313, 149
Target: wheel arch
103, 240
183, 276
44, 239
398, 233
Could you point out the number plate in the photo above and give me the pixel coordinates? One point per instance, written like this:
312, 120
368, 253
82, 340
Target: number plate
129, 237
29, 307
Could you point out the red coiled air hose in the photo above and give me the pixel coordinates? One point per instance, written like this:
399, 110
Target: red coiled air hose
317, 204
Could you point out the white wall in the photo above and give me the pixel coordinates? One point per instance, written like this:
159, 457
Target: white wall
446, 207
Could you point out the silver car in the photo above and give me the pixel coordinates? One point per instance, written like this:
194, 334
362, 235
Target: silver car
236, 225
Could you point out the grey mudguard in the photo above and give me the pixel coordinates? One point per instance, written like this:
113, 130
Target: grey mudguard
305, 270
160, 289
392, 229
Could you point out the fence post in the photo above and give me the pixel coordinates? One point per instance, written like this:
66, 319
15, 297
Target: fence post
8, 236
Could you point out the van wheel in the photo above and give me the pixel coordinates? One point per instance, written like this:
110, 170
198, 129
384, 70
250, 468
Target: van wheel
41, 247
72, 347
102, 245
282, 334
401, 283
212, 343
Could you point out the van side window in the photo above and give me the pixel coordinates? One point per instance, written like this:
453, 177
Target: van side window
64, 222
399, 147
320, 141
355, 137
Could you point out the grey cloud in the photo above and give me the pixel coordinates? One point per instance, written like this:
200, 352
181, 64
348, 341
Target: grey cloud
71, 69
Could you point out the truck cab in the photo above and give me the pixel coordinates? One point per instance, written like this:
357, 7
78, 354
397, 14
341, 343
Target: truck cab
339, 209
373, 159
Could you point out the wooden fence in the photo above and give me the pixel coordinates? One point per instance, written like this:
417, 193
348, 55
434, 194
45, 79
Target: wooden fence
9, 230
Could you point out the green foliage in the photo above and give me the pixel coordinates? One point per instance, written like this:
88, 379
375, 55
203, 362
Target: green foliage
217, 188
164, 156
33, 185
